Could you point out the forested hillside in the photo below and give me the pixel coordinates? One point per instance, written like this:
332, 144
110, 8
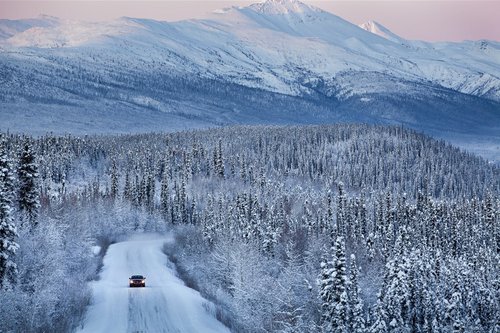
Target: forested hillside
344, 228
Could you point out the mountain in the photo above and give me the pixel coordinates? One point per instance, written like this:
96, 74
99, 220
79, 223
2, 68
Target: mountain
56, 33
378, 29
276, 62
9, 28
284, 7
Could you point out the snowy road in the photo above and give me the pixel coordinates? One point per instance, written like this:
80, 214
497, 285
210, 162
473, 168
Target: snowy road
165, 305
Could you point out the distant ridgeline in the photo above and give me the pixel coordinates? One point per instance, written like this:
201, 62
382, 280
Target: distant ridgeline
420, 216
367, 159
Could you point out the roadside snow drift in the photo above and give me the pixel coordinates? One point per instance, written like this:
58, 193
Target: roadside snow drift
165, 305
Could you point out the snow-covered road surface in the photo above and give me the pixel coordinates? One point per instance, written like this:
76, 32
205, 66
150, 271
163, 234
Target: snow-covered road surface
165, 305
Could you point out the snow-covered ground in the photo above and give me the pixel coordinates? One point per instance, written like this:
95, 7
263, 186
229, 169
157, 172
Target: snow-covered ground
165, 305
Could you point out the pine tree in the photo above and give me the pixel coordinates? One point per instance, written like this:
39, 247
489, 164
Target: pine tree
28, 187
370, 248
136, 191
8, 233
6, 174
307, 218
183, 202
453, 313
269, 239
114, 181
208, 230
218, 160
127, 189
164, 194
329, 215
489, 216
380, 318
150, 191
357, 322
333, 291
326, 295
396, 289
362, 216
341, 210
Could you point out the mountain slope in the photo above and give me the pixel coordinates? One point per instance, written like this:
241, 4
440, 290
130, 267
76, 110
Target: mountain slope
275, 62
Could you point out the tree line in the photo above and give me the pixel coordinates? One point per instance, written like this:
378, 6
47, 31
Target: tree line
342, 228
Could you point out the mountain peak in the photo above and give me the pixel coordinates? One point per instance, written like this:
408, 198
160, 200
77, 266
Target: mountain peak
378, 29
282, 7
49, 18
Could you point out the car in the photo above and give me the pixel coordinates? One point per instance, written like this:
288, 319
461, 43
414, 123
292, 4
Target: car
137, 281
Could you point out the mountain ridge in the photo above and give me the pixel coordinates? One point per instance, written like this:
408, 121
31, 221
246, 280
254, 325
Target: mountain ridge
349, 43
279, 52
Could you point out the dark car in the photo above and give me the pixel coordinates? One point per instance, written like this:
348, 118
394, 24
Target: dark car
137, 281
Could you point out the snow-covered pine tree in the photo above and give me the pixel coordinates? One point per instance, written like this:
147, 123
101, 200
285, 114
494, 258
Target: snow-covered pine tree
329, 214
326, 295
356, 319
489, 215
307, 218
341, 210
136, 191
28, 199
269, 239
150, 191
333, 291
379, 317
363, 216
114, 181
6, 173
356, 225
431, 304
164, 193
218, 160
208, 230
388, 223
127, 189
183, 202
370, 249
453, 313
8, 233
396, 291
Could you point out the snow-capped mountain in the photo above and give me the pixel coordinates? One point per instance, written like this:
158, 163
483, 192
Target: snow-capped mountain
378, 29
9, 28
68, 33
284, 7
280, 61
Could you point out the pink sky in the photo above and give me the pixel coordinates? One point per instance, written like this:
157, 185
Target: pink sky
419, 19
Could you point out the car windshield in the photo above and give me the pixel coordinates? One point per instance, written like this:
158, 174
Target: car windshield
134, 277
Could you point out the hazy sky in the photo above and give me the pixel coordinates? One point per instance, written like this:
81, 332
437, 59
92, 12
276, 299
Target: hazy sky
418, 19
